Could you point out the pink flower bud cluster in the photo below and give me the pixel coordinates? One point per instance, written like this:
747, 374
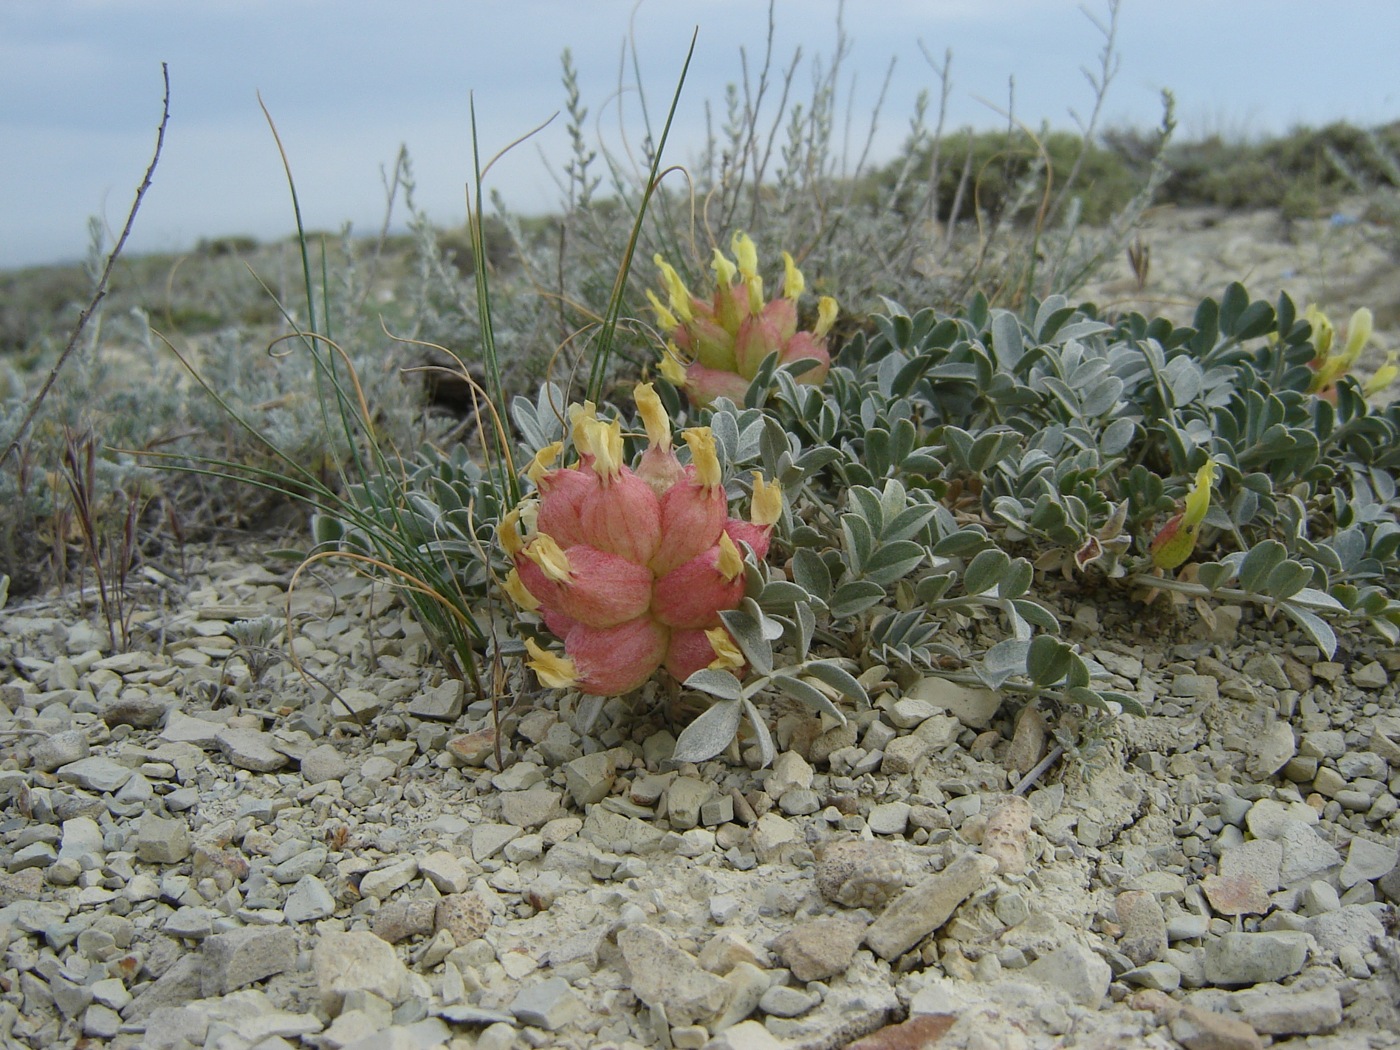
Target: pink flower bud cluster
714, 347
630, 568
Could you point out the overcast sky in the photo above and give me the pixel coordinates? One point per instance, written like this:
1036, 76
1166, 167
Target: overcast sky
348, 81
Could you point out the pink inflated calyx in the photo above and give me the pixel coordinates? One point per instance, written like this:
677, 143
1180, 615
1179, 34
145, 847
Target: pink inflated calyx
614, 660
693, 594
597, 587
694, 509
694, 650
622, 515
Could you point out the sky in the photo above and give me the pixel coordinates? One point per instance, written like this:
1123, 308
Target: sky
348, 82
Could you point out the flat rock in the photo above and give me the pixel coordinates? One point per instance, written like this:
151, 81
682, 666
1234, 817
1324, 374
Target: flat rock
1259, 859
927, 905
820, 949
1074, 970
240, 957
59, 749
973, 707
95, 773
1354, 926
550, 1005
1290, 1011
324, 762
356, 961
665, 975
1144, 937
1235, 894
1236, 959
1367, 861
1306, 854
1198, 1029
250, 749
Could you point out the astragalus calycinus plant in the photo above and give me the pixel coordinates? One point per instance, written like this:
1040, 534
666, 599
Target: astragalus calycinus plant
630, 567
715, 346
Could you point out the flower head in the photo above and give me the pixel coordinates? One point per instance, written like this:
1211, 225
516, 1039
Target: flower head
715, 346
630, 567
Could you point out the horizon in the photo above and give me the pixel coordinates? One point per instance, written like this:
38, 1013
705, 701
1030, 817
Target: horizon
80, 93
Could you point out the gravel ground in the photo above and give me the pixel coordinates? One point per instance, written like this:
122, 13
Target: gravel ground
193, 858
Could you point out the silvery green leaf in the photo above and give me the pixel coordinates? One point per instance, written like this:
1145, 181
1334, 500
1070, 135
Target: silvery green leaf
893, 561
1261, 560
710, 733
1016, 581
717, 683
860, 541
807, 693
725, 429
810, 572
906, 523
806, 625
1006, 339
750, 441
1088, 698
1048, 660
760, 732
1287, 579
1002, 661
770, 628
855, 597
1035, 613
866, 501
1184, 379
1101, 397
1130, 704
839, 679
1020, 629
893, 500
1314, 626
1312, 597
986, 570
748, 635
1117, 436
1082, 330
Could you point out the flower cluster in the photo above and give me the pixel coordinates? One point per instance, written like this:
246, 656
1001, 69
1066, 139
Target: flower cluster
714, 347
631, 568
1328, 367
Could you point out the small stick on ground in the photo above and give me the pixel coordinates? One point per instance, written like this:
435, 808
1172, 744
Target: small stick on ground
1028, 781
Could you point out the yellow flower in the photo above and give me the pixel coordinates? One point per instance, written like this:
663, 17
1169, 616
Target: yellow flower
1176, 540
1385, 375
1329, 367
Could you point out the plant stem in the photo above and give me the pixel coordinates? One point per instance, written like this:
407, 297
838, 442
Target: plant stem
101, 291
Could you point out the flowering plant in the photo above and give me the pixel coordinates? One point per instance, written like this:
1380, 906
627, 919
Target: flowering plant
715, 346
631, 567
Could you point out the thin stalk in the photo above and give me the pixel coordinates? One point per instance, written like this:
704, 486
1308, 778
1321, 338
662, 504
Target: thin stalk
607, 331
